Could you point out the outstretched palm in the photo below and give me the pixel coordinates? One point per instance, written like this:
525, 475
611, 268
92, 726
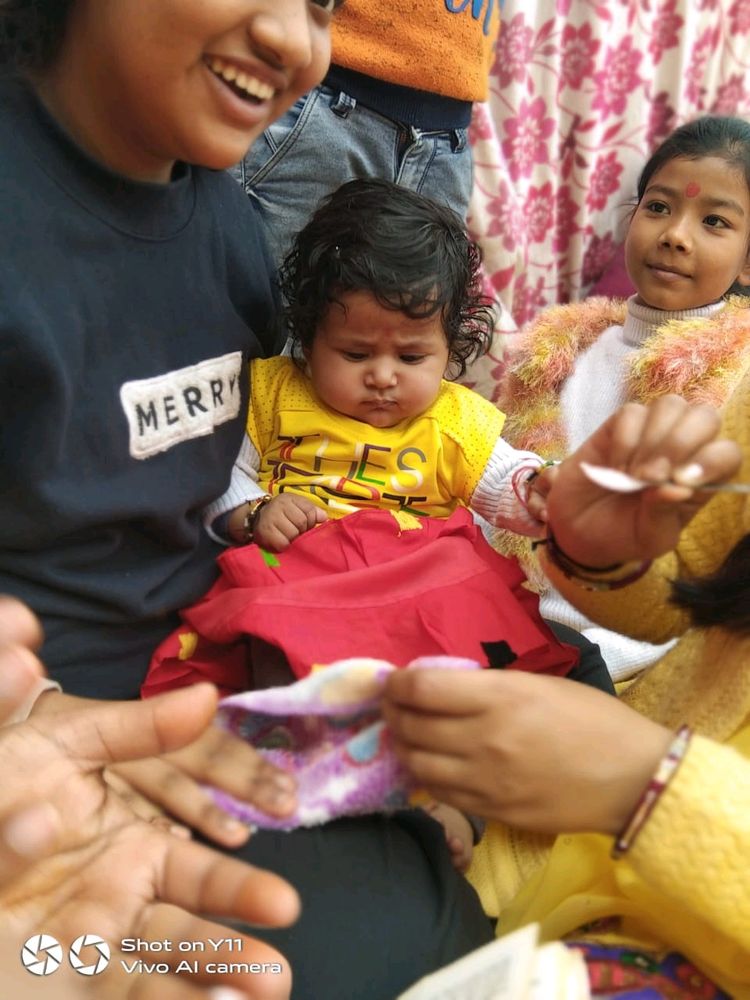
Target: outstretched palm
115, 875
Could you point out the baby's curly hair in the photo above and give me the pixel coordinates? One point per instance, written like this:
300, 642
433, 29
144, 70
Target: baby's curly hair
31, 32
411, 253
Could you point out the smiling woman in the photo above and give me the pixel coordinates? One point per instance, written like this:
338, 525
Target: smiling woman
158, 97
245, 85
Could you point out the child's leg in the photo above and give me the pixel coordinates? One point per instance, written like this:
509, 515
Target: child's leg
591, 669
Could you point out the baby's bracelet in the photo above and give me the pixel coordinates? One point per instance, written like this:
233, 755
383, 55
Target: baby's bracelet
665, 771
521, 481
254, 508
591, 577
536, 472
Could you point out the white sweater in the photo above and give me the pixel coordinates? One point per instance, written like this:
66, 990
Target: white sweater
593, 392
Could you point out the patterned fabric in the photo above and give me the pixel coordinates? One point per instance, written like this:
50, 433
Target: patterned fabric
623, 974
326, 730
581, 91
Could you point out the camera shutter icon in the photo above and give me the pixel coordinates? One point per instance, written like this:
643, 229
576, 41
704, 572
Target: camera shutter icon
41, 955
95, 957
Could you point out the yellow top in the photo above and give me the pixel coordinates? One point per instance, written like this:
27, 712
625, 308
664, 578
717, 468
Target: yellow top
441, 46
427, 465
685, 883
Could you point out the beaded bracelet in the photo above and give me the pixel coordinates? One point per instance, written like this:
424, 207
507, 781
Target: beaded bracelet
665, 772
254, 508
590, 577
519, 479
539, 469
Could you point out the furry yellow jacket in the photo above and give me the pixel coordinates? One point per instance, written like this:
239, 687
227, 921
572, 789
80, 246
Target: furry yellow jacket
685, 884
699, 355
577, 364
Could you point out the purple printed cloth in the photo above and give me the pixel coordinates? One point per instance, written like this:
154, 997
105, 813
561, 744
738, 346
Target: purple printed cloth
327, 730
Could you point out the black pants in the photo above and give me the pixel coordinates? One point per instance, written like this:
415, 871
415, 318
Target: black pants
381, 905
591, 668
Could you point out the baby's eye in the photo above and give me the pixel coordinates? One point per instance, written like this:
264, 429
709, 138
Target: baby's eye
658, 207
412, 359
354, 355
329, 6
716, 222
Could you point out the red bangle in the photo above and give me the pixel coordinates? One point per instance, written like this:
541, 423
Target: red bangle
665, 771
520, 480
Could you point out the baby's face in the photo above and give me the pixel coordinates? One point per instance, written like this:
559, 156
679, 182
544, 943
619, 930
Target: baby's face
687, 242
168, 80
375, 364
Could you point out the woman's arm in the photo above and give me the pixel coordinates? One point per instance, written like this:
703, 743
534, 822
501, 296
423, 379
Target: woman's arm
693, 849
536, 752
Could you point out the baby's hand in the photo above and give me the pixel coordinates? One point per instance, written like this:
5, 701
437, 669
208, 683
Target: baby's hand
458, 833
539, 487
283, 519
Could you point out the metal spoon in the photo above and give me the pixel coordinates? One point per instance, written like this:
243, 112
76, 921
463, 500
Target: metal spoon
622, 482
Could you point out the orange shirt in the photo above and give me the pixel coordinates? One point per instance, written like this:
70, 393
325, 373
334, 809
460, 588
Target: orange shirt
441, 46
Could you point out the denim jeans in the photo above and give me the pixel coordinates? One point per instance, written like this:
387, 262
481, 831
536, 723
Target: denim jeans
327, 138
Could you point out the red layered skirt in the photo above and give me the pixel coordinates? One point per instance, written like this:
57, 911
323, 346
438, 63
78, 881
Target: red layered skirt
362, 586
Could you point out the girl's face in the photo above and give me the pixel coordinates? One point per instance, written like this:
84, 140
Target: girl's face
140, 84
688, 239
375, 364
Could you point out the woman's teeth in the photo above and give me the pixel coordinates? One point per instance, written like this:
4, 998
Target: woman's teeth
249, 86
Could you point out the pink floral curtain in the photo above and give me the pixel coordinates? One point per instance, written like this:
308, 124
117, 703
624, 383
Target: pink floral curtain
580, 93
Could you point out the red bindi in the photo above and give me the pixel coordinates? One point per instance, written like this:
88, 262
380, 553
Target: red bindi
692, 189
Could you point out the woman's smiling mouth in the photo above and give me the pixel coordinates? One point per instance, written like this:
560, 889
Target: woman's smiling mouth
240, 82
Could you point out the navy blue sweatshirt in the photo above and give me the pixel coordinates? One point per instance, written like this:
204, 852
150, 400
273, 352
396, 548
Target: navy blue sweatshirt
127, 314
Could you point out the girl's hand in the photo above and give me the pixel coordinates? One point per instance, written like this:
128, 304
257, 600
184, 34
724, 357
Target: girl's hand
283, 519
173, 783
537, 752
19, 625
20, 633
667, 440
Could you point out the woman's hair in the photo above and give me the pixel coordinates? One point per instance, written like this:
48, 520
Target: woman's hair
412, 254
31, 32
723, 598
